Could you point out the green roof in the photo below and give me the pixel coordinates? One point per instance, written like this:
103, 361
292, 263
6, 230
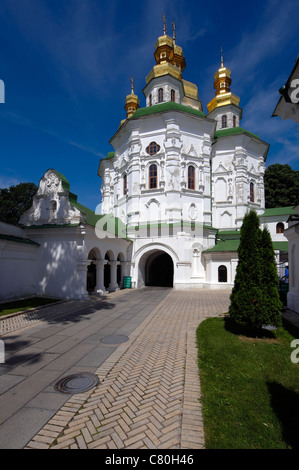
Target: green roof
233, 131
289, 210
229, 234
281, 246
233, 245
110, 155
64, 181
168, 106
224, 245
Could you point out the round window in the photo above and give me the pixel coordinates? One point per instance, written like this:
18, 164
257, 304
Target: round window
152, 148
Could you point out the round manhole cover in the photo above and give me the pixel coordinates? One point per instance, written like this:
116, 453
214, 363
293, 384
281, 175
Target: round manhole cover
114, 339
77, 383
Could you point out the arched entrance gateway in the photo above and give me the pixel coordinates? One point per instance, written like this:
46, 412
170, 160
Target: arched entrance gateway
156, 269
159, 270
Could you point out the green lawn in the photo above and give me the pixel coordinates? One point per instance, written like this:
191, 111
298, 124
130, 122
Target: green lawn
18, 305
250, 387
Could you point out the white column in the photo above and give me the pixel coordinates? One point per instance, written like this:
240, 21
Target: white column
113, 286
81, 275
122, 273
100, 288
197, 267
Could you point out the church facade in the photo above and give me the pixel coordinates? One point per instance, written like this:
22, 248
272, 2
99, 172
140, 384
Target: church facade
175, 190
181, 180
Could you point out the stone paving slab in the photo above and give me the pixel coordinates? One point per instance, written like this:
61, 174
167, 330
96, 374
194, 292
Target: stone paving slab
149, 387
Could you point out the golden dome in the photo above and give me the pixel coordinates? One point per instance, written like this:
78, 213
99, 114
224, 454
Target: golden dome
223, 95
131, 104
169, 57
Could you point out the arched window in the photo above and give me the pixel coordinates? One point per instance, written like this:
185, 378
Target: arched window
234, 121
160, 95
125, 184
53, 208
251, 192
224, 121
280, 227
172, 95
222, 273
150, 100
153, 176
191, 177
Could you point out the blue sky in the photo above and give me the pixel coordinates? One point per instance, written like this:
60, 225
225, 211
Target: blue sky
66, 65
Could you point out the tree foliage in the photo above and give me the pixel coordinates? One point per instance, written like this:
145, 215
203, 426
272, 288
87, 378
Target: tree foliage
281, 186
270, 280
254, 298
15, 200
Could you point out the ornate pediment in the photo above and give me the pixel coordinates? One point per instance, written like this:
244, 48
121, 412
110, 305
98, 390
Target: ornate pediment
221, 169
52, 203
192, 152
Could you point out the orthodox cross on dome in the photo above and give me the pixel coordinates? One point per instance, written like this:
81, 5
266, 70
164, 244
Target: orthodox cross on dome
132, 101
132, 84
173, 28
221, 57
164, 25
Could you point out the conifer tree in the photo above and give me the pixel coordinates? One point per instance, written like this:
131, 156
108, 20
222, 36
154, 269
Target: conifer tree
271, 299
247, 306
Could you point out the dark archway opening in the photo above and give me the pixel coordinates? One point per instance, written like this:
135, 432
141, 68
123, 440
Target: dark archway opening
159, 270
119, 271
91, 277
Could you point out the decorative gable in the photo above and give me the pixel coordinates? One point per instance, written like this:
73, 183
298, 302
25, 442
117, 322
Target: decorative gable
52, 203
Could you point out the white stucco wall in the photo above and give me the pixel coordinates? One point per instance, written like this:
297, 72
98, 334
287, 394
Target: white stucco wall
18, 261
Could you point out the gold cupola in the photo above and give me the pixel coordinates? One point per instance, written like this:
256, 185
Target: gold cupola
169, 57
132, 103
223, 95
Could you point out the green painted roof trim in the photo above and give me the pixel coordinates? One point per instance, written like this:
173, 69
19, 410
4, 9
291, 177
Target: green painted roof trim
110, 155
64, 181
289, 210
18, 239
233, 131
50, 226
233, 245
163, 107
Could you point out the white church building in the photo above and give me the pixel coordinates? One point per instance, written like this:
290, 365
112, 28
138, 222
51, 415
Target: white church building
175, 190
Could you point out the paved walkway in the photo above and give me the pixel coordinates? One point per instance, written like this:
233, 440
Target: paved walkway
148, 390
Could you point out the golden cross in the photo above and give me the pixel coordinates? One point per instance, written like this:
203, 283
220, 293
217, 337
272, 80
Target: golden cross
164, 23
173, 27
132, 82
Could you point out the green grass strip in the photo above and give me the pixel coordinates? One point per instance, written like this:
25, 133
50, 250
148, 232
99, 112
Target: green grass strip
25, 304
250, 387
